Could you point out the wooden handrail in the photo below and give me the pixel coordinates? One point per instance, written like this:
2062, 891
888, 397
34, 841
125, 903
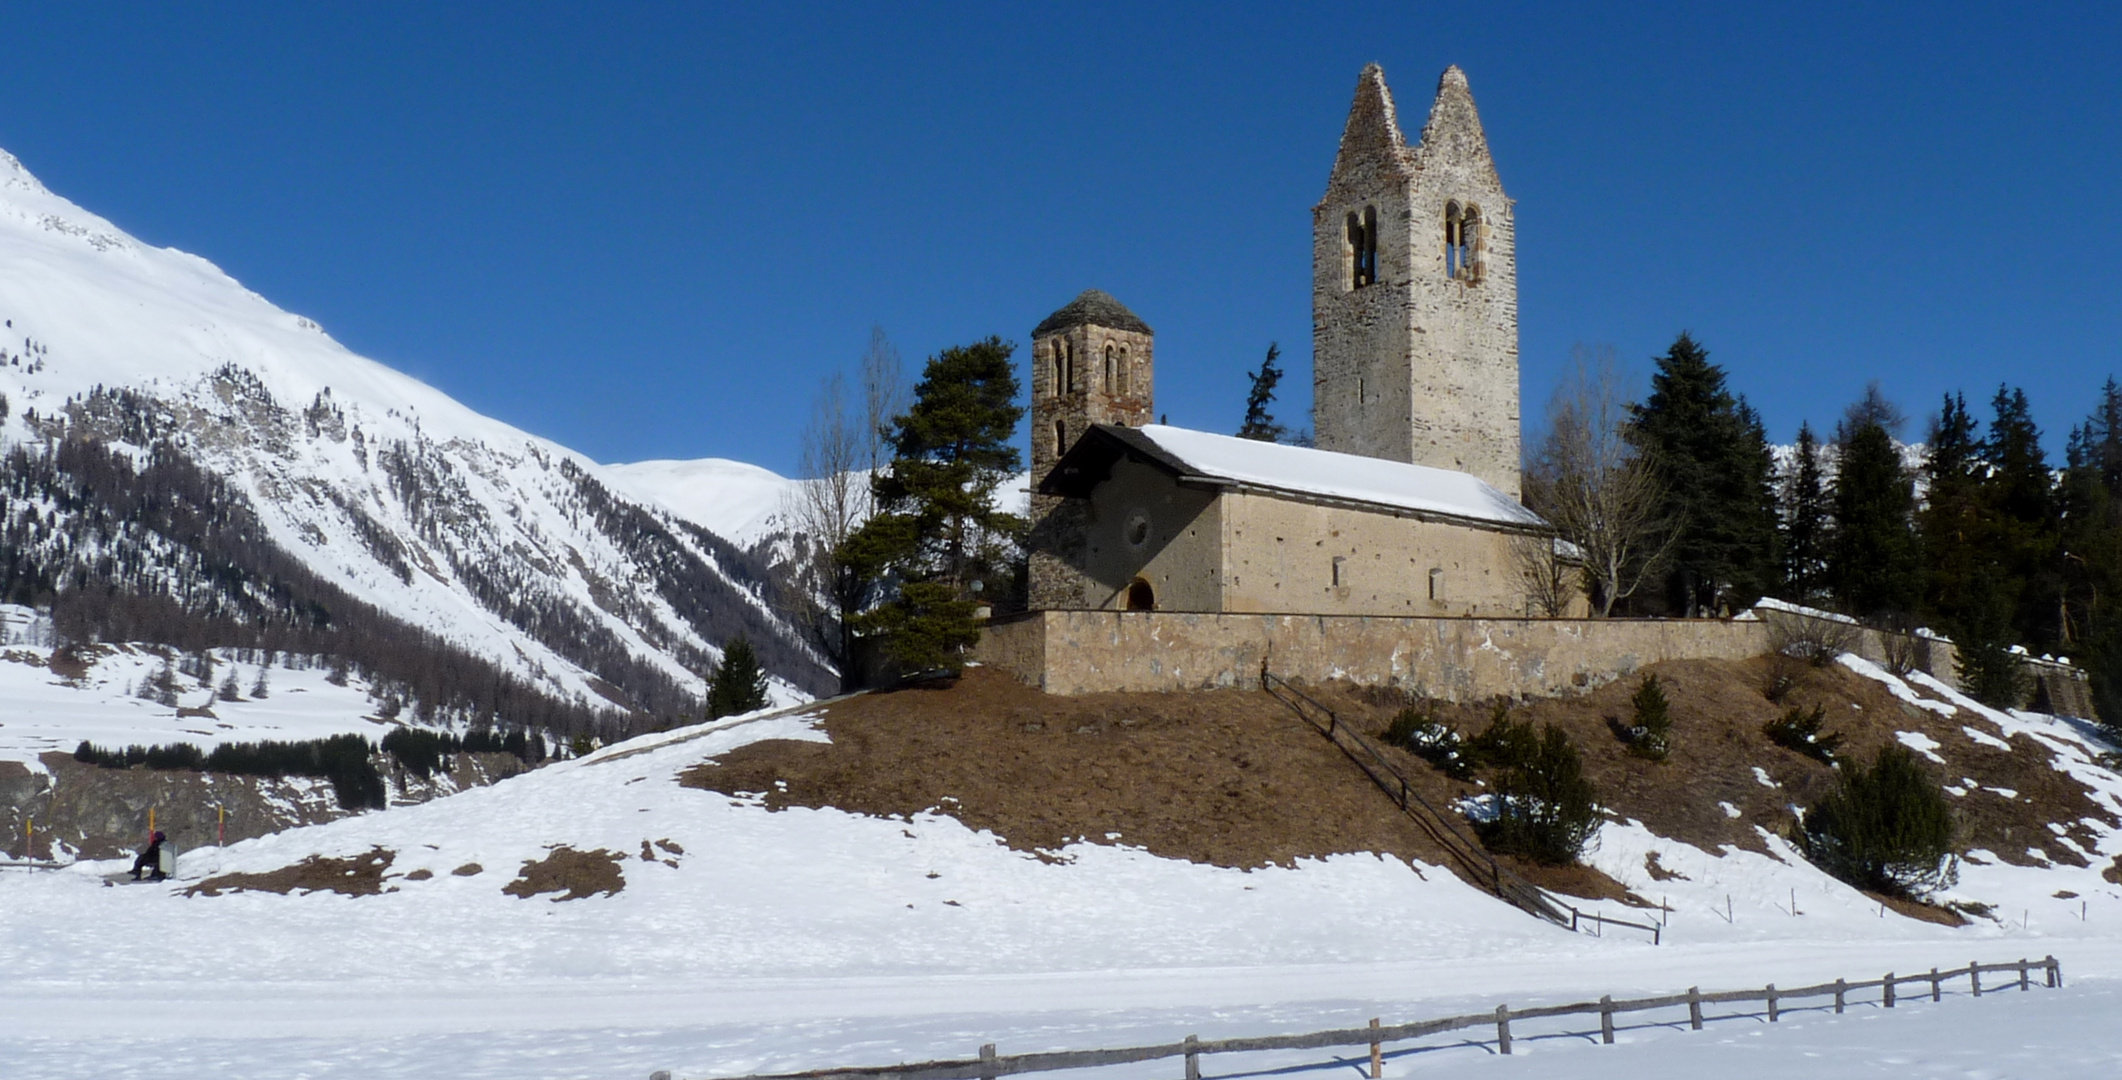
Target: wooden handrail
989, 1065
1477, 862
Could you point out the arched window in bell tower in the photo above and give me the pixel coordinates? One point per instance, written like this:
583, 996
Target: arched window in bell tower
1462, 232
1109, 366
1363, 247
1060, 383
1060, 437
1120, 381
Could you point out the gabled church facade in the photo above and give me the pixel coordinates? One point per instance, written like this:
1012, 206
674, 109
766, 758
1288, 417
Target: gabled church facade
1408, 506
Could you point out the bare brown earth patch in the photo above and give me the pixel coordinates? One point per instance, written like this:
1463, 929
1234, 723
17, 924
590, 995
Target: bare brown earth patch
1229, 778
469, 869
351, 875
574, 874
421, 874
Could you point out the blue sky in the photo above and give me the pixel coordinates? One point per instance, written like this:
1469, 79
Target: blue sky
648, 231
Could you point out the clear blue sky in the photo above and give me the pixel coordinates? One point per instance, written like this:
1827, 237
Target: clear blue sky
647, 231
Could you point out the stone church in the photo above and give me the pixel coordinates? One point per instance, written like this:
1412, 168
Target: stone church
1408, 505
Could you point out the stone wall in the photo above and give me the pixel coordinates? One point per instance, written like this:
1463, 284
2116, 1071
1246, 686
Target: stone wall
1461, 659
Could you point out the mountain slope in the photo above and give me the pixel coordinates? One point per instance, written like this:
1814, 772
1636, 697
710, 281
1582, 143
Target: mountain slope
185, 462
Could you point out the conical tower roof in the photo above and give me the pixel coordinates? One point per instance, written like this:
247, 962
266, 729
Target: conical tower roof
1093, 307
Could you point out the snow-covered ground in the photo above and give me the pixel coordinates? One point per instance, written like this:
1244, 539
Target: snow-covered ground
807, 938
45, 712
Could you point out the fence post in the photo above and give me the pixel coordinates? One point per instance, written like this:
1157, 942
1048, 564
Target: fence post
987, 1062
1193, 1058
1841, 988
1771, 1003
1974, 975
1694, 1007
1606, 1019
1377, 1052
2055, 972
1503, 1028
2022, 974
1889, 989
1572, 920
1934, 991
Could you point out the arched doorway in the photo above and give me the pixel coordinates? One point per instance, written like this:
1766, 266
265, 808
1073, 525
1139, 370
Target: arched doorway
1140, 597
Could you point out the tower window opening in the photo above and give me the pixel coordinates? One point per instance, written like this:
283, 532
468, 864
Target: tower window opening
1109, 368
1060, 437
1060, 386
1462, 236
1363, 247
1120, 382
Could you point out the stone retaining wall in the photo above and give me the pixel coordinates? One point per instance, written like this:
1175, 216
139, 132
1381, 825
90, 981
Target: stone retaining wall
1459, 659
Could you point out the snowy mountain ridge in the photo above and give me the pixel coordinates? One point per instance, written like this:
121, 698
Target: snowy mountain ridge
502, 545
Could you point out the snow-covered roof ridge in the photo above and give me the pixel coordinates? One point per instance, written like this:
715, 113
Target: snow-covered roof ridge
1328, 474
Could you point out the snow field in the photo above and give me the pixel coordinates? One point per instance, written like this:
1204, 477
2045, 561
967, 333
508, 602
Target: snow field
45, 713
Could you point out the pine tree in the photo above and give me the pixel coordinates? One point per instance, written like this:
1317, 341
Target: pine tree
1259, 424
739, 683
1950, 525
259, 688
2019, 504
1711, 454
938, 532
1989, 671
230, 691
1805, 522
1872, 564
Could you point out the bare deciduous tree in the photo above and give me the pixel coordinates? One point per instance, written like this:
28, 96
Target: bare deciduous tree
1592, 485
1551, 579
840, 453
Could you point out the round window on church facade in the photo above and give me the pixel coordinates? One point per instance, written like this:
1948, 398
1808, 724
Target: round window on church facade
1136, 531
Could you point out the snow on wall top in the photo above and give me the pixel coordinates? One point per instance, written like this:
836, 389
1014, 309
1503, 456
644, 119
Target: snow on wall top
1324, 473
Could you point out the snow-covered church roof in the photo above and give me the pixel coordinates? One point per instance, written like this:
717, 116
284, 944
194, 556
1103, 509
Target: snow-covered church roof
1293, 471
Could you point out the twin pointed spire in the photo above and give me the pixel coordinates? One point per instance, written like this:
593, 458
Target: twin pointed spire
1372, 138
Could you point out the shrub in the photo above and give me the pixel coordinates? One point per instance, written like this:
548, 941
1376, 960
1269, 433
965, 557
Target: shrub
1812, 639
1886, 827
1545, 809
1432, 740
1784, 674
1651, 734
1800, 730
345, 760
1504, 744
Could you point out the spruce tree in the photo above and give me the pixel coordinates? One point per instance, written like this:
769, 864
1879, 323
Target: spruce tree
1989, 671
739, 683
2019, 504
1872, 563
1950, 526
1712, 456
1805, 522
2090, 500
1259, 424
937, 531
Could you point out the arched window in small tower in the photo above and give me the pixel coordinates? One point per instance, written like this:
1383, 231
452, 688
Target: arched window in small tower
1121, 380
1363, 247
1060, 437
1060, 382
1109, 363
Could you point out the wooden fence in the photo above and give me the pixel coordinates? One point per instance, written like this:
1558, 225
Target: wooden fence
1479, 866
989, 1065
